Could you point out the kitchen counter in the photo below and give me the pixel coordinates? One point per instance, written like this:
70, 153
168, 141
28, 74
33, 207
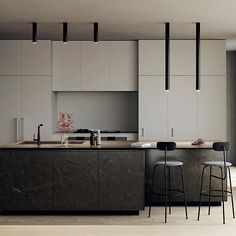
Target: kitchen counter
105, 145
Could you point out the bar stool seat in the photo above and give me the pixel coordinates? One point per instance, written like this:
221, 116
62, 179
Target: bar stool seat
169, 163
216, 163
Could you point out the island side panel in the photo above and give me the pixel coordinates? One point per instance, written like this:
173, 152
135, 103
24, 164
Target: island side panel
75, 180
26, 180
121, 180
192, 168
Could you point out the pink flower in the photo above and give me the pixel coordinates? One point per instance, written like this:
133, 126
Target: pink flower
64, 123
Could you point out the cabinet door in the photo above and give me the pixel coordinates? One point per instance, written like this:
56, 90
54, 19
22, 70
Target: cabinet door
182, 108
36, 105
36, 58
10, 60
123, 66
151, 57
121, 180
10, 107
213, 57
26, 180
66, 66
75, 180
95, 66
183, 57
212, 108
152, 108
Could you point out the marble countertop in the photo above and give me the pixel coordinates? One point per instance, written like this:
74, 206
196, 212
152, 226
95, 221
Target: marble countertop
104, 145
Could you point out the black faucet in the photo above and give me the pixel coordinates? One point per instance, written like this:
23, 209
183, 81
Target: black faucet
38, 135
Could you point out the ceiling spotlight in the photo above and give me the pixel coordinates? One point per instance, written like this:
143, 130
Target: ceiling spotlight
65, 32
95, 32
34, 32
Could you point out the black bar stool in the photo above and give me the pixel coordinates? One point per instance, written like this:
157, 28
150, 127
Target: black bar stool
224, 168
167, 146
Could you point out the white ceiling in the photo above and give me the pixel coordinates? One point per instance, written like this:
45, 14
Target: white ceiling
118, 19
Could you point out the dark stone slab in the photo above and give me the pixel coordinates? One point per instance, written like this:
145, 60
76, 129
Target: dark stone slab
121, 180
75, 180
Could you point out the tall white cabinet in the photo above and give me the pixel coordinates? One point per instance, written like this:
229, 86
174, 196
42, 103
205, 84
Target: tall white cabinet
190, 114
26, 96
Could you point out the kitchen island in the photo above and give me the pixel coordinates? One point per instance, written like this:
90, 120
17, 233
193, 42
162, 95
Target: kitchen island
112, 177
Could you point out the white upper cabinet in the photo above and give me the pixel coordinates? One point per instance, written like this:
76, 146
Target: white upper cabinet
183, 57
212, 108
213, 57
36, 58
95, 66
10, 59
36, 106
66, 66
182, 109
123, 66
151, 57
152, 108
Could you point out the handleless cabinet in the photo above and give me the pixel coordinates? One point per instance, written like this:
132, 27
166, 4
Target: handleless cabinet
66, 66
36, 58
95, 66
123, 66
10, 59
151, 57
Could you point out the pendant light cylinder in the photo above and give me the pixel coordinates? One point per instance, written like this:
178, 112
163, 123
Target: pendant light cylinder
65, 32
95, 32
198, 56
167, 56
34, 32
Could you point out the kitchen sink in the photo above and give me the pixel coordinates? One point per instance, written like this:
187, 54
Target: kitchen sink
49, 142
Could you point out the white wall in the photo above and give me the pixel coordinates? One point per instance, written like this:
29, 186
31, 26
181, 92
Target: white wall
106, 110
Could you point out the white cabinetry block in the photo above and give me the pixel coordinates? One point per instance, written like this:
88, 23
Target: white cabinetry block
123, 66
152, 108
10, 59
10, 107
151, 57
183, 57
182, 109
36, 105
36, 58
213, 57
66, 66
212, 108
95, 66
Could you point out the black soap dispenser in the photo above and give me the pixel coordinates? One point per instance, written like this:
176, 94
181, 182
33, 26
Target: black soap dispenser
92, 138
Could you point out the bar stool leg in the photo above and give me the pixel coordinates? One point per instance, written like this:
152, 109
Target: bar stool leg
222, 194
169, 190
231, 191
185, 204
200, 197
151, 190
165, 170
209, 198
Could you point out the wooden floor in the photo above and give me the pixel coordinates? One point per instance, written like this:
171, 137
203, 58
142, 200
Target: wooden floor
125, 225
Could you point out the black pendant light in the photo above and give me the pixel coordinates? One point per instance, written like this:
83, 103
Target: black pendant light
95, 32
65, 32
198, 56
34, 32
167, 56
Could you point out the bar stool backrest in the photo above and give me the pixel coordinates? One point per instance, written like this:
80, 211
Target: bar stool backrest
221, 146
166, 146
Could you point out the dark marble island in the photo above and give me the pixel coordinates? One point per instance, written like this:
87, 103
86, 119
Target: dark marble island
113, 177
